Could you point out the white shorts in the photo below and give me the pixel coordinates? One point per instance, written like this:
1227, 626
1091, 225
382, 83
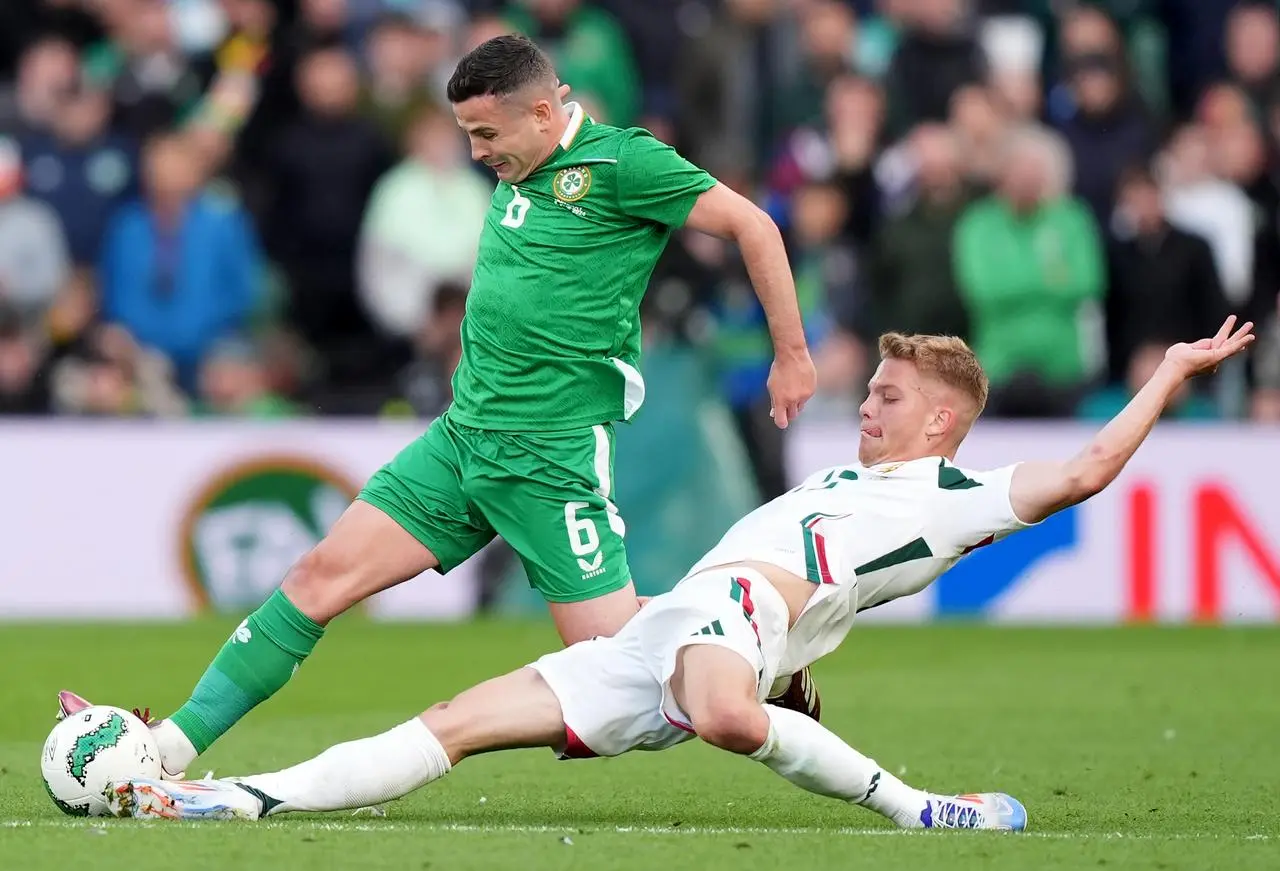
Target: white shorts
614, 692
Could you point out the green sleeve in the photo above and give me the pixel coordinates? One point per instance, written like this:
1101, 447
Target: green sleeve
655, 183
986, 273
1086, 278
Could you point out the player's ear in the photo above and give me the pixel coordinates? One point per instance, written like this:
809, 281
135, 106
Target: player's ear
941, 423
542, 114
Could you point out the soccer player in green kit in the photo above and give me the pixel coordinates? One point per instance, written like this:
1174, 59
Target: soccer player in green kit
551, 347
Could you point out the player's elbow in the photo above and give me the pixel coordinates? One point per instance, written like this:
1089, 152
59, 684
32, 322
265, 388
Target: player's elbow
1089, 475
753, 226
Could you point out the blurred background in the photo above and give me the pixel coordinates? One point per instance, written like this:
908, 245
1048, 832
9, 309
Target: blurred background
236, 238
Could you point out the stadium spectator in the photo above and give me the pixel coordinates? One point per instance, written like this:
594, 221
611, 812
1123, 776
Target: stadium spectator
25, 22
422, 227
1013, 45
827, 41
980, 129
1253, 50
1163, 281
424, 387
910, 283
1107, 131
724, 97
33, 250
1084, 30
397, 91
82, 170
108, 374
47, 72
235, 381
938, 54
1195, 52
24, 382
153, 84
780, 99
590, 52
1200, 202
1029, 262
322, 169
843, 150
181, 268
1265, 405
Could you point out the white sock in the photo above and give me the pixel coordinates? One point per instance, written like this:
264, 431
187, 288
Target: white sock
358, 773
809, 755
176, 749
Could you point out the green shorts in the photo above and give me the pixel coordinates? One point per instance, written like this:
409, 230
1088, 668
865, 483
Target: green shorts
549, 495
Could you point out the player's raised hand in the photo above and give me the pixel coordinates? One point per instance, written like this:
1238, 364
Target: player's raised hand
1198, 358
792, 381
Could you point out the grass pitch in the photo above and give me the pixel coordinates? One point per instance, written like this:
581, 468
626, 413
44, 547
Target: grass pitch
1134, 748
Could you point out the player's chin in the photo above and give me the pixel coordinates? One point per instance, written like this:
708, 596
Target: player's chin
869, 448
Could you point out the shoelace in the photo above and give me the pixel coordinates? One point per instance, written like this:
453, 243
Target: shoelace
143, 714
953, 815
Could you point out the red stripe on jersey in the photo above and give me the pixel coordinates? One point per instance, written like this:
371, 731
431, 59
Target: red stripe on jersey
820, 548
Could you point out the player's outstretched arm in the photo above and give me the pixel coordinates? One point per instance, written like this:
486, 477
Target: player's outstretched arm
1040, 489
722, 212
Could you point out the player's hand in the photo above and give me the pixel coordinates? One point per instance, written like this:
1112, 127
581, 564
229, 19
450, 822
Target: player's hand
1199, 358
792, 380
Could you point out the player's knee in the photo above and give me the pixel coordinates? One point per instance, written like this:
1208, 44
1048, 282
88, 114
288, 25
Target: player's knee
315, 584
735, 724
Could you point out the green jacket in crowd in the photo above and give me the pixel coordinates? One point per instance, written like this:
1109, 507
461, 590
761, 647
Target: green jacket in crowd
1025, 278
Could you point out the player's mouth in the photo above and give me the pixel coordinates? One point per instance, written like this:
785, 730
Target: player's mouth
498, 167
872, 432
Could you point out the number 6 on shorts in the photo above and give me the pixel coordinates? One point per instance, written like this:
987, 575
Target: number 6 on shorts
583, 538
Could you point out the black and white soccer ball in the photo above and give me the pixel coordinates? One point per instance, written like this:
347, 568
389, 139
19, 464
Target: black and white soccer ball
90, 749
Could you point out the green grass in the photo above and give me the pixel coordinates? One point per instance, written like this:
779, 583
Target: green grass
1132, 748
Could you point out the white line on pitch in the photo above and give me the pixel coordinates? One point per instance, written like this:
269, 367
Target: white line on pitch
502, 828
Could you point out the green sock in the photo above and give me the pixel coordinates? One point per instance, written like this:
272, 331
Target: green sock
257, 660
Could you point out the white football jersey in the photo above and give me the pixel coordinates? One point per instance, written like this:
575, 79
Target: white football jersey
866, 536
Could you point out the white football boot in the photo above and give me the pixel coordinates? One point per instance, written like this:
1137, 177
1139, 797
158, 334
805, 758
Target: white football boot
983, 810
186, 800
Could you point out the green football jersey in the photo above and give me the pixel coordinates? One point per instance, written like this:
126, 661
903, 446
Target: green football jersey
551, 335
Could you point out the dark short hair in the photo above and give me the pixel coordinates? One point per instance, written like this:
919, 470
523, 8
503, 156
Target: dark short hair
1136, 175
499, 67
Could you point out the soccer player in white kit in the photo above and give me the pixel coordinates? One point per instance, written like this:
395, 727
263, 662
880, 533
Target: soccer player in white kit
779, 591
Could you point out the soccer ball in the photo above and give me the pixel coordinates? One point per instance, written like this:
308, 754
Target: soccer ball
90, 749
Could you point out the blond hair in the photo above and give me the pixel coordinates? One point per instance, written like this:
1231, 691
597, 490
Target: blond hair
946, 358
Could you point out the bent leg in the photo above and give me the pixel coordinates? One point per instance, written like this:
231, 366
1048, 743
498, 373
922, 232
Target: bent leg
716, 687
511, 712
411, 516
365, 552
515, 710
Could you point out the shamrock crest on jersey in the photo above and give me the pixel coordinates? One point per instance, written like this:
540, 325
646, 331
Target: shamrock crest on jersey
571, 185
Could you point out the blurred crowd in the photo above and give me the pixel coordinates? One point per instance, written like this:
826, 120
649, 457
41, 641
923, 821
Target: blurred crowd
264, 208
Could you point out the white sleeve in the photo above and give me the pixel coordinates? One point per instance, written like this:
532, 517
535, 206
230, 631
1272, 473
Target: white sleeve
976, 510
